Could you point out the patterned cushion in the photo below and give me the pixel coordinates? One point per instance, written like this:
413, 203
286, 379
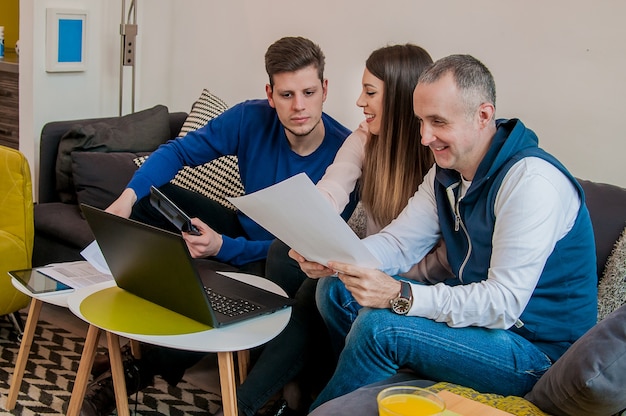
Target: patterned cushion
612, 286
512, 404
358, 221
216, 179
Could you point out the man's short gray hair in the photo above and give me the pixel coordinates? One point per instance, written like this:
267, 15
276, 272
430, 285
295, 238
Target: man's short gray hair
471, 76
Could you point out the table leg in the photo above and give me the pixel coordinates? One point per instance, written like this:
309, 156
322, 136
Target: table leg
117, 371
243, 362
84, 368
22, 356
135, 349
228, 382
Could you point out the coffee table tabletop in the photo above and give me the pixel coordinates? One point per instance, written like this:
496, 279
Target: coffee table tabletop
225, 341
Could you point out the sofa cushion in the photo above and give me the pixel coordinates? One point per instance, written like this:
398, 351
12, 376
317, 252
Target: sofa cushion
75, 230
99, 178
363, 400
216, 179
589, 378
612, 287
207, 107
143, 131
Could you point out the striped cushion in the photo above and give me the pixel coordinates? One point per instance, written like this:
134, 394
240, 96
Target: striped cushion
216, 179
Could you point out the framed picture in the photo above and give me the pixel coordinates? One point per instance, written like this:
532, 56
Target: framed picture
66, 35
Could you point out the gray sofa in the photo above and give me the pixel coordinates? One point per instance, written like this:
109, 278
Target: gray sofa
590, 378
104, 168
92, 160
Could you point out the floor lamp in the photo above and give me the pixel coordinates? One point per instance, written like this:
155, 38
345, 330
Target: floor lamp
128, 32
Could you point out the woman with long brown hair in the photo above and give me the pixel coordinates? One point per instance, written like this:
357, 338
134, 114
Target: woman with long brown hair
384, 155
384, 162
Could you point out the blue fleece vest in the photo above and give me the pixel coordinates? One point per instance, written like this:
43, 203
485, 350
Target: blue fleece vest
564, 304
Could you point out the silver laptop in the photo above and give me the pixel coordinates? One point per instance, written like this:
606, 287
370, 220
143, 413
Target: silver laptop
155, 264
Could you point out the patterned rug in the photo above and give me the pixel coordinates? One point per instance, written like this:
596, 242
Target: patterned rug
51, 369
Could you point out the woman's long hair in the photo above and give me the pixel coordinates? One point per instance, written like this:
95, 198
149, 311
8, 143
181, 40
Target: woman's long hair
395, 161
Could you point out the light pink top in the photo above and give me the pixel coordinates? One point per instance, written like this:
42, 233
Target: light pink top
341, 176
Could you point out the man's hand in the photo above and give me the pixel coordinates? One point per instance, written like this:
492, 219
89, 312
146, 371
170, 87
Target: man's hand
123, 205
207, 244
370, 287
312, 269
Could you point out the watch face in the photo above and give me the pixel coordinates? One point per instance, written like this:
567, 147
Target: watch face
401, 306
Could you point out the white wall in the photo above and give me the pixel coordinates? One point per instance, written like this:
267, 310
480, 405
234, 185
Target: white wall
559, 65
47, 96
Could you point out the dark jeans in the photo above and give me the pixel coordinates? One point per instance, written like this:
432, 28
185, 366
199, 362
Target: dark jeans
171, 363
220, 218
301, 351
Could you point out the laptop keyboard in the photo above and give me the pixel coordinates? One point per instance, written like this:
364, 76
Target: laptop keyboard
230, 306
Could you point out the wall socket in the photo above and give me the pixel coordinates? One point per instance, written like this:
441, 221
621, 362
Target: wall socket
129, 33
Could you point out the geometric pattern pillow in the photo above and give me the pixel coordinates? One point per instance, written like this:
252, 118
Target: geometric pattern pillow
612, 286
510, 404
218, 178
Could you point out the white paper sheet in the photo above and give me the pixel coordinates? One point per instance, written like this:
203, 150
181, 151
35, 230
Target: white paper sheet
76, 274
94, 256
297, 213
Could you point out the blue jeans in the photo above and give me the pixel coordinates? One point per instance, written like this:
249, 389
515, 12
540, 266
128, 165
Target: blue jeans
379, 342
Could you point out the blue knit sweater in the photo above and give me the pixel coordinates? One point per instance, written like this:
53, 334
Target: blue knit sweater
251, 131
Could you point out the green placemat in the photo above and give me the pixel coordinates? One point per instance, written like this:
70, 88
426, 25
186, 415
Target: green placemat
118, 310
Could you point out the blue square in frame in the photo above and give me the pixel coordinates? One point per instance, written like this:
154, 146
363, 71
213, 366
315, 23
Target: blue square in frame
66, 40
70, 40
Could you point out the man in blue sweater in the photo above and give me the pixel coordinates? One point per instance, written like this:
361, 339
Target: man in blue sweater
273, 138
519, 242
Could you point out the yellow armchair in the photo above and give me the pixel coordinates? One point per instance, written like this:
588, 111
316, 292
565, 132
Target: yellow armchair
16, 229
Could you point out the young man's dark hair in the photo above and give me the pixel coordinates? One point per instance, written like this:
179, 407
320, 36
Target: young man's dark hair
290, 54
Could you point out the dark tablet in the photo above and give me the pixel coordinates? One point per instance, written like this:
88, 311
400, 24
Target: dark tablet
171, 211
38, 283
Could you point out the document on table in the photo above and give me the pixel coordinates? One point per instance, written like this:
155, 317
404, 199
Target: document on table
75, 274
297, 213
94, 256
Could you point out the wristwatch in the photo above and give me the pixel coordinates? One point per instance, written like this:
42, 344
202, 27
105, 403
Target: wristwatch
403, 302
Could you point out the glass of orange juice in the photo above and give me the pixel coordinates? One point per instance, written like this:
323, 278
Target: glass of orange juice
409, 401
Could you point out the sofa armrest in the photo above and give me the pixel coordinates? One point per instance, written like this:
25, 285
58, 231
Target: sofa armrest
607, 208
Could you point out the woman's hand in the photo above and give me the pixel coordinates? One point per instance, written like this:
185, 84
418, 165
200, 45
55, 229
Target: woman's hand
312, 269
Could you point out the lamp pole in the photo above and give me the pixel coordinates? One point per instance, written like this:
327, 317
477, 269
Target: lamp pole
128, 32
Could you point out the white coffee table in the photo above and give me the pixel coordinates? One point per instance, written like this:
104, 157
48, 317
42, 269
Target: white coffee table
29, 333
224, 341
